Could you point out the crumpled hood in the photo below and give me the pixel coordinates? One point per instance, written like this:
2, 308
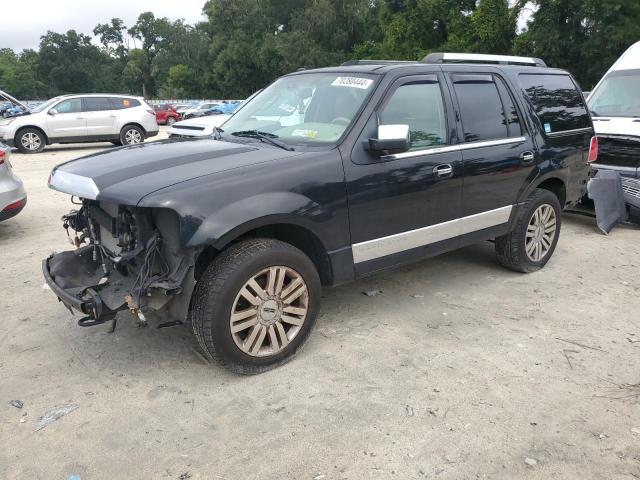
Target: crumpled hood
126, 175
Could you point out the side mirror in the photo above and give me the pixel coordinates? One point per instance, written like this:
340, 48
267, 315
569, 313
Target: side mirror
53, 111
391, 139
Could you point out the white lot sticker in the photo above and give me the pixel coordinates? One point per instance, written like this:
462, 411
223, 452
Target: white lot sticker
353, 82
304, 133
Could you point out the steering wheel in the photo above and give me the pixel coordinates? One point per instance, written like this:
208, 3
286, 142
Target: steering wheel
339, 120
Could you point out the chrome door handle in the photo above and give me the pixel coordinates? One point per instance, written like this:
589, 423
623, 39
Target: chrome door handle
444, 170
527, 157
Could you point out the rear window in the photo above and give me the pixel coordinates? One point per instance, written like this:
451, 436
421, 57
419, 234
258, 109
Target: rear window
557, 102
122, 103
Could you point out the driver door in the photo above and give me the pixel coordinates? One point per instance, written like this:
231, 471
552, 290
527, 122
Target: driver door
405, 206
66, 120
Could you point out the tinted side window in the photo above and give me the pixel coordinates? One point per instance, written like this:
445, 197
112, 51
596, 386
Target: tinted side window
420, 106
510, 111
73, 105
480, 107
121, 103
98, 104
557, 102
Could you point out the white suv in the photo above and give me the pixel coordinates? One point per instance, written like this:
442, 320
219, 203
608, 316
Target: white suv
120, 119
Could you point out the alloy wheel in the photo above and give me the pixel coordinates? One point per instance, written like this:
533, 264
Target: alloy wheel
541, 232
269, 311
132, 137
30, 141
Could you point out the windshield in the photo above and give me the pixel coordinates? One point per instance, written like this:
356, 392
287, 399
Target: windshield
45, 105
305, 109
617, 96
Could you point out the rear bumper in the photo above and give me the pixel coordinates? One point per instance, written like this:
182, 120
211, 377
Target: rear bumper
13, 209
628, 172
13, 197
152, 133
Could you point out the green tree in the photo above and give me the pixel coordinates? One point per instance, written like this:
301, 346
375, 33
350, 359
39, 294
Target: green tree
582, 36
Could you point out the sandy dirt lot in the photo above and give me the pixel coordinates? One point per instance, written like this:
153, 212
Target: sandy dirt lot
458, 370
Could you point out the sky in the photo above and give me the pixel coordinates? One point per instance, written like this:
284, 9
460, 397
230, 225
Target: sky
29, 19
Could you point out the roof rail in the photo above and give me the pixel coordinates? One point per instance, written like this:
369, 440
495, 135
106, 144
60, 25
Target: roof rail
374, 62
481, 58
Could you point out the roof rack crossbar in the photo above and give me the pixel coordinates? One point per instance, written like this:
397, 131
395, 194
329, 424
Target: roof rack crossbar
481, 58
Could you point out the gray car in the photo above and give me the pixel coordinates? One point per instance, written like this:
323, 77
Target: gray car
13, 197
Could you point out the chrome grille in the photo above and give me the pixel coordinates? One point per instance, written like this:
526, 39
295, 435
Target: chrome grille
631, 187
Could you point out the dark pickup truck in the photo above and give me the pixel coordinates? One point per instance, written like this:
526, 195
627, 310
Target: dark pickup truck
324, 177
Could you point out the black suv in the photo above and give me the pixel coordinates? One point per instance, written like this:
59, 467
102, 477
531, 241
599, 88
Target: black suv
324, 177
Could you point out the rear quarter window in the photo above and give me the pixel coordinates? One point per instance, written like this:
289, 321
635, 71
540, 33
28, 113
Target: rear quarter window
557, 102
122, 103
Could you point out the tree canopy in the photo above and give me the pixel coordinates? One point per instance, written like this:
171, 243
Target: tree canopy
245, 44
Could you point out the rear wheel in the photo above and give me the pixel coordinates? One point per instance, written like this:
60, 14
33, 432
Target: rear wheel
171, 121
256, 305
30, 140
131, 135
531, 243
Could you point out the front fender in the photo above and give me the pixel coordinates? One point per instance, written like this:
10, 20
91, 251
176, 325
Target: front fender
246, 214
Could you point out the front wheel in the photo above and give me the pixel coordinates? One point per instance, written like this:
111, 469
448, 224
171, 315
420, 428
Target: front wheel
256, 305
30, 140
171, 121
531, 243
131, 135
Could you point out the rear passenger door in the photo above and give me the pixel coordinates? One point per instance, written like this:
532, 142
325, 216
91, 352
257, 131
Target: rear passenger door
101, 117
497, 151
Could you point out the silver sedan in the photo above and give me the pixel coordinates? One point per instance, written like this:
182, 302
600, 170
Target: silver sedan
13, 197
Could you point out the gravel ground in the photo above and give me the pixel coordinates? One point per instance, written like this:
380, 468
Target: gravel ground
459, 369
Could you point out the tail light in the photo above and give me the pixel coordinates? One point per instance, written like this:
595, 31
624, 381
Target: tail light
1, 156
593, 150
14, 206
152, 112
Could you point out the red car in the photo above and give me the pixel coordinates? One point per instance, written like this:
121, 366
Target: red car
166, 114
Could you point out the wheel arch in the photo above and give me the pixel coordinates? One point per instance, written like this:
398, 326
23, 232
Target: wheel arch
134, 124
557, 186
283, 228
34, 127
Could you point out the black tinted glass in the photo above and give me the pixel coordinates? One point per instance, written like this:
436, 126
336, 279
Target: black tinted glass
480, 108
510, 110
98, 104
557, 101
420, 106
121, 103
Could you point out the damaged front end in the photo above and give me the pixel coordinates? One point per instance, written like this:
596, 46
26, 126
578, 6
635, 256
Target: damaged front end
126, 258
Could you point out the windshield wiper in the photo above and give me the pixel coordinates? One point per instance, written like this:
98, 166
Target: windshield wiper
265, 137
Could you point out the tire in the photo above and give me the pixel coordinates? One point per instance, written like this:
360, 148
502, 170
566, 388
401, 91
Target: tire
131, 135
30, 140
517, 250
219, 293
171, 121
